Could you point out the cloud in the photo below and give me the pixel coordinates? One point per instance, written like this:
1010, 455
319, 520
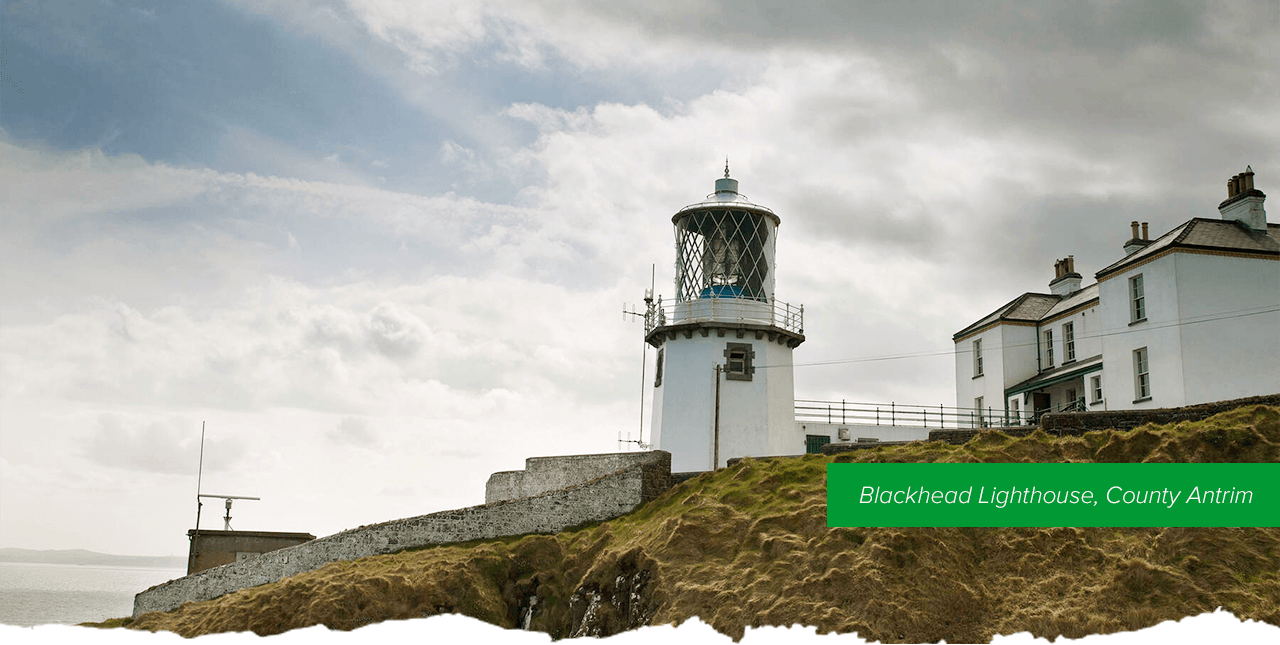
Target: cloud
454, 154
162, 446
353, 431
927, 165
48, 186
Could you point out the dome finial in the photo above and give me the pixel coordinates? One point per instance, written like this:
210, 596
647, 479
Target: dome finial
726, 186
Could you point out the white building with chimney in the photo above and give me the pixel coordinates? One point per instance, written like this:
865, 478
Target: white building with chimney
723, 385
1190, 317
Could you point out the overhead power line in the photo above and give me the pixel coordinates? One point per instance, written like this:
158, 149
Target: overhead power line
1240, 313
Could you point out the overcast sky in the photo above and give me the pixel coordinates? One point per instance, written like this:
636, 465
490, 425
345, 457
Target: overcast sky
382, 247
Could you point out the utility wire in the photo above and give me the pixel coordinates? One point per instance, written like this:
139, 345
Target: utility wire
1240, 313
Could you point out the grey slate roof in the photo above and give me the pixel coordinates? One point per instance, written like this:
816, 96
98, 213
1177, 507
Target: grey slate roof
1072, 300
1034, 307
1209, 234
1199, 233
1028, 307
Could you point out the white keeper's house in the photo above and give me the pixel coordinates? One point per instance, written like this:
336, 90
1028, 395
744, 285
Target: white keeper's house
1190, 317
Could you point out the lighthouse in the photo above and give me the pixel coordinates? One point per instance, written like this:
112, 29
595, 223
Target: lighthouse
723, 384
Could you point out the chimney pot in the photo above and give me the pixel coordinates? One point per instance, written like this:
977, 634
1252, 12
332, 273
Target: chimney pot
1144, 231
1071, 264
1134, 226
1244, 203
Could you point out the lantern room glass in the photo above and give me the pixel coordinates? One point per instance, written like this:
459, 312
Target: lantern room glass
724, 253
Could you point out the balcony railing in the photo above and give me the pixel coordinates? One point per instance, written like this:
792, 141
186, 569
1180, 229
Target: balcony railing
732, 310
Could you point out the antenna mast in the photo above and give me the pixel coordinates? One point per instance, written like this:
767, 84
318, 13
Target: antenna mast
199, 477
199, 504
648, 316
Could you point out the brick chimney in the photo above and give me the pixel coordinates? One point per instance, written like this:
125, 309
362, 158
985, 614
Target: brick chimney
1244, 202
1065, 279
1139, 239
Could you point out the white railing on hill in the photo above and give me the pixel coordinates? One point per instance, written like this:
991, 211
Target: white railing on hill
920, 416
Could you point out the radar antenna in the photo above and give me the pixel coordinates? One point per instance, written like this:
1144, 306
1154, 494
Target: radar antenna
226, 519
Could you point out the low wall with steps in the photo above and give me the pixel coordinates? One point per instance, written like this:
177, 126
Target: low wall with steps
641, 478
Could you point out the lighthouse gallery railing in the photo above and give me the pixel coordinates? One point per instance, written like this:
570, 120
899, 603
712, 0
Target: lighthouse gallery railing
732, 310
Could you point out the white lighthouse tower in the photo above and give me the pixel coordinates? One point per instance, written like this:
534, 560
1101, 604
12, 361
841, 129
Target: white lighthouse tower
724, 386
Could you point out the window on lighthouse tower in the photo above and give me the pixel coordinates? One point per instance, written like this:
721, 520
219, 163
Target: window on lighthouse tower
738, 361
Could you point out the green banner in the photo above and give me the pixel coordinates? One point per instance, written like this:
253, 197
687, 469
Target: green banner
1043, 495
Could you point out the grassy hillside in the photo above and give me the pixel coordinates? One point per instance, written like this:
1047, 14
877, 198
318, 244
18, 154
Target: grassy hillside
749, 546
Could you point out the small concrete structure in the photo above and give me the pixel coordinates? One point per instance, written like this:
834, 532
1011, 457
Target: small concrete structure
845, 433
215, 548
597, 496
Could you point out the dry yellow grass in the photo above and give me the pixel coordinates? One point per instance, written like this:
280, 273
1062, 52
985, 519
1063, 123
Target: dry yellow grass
749, 546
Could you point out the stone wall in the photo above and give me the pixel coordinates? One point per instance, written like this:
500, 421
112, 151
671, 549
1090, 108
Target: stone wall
850, 446
1078, 423
961, 435
544, 474
1075, 424
597, 500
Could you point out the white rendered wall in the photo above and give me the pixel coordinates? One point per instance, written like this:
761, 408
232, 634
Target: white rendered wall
1088, 341
757, 417
1160, 334
1229, 355
735, 310
1021, 415
1018, 355
1009, 358
967, 386
688, 385
867, 431
990, 386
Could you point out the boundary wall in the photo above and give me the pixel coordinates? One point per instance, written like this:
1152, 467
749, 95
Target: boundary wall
601, 498
852, 446
545, 474
1078, 423
1074, 424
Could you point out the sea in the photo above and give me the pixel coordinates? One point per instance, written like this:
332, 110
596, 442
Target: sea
43, 594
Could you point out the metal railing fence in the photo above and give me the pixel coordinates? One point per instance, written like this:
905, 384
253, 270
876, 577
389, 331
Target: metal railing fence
735, 310
924, 416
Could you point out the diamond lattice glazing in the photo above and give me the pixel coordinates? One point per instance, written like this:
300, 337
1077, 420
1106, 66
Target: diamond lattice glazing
722, 253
